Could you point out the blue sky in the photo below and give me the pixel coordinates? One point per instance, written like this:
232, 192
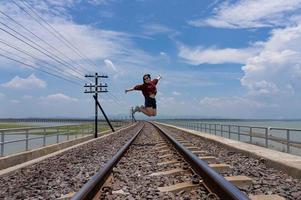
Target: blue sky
229, 59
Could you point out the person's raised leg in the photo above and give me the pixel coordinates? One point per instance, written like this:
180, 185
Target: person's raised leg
147, 111
154, 112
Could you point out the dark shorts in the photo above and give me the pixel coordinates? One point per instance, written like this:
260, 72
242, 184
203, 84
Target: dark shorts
150, 102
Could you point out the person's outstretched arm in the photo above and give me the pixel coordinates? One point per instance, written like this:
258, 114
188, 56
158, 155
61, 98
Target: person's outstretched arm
129, 90
156, 80
137, 87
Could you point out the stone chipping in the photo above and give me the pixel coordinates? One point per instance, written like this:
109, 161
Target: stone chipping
266, 180
64, 173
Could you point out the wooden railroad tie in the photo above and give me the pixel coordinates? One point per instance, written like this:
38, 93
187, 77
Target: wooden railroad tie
198, 152
164, 151
235, 180
160, 143
192, 148
266, 197
169, 172
208, 158
170, 162
220, 167
162, 148
166, 156
178, 187
185, 143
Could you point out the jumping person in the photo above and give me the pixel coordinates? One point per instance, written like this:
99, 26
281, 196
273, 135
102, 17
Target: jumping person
149, 92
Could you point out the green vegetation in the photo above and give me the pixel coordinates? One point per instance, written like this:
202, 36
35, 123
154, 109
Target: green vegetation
12, 125
77, 129
86, 128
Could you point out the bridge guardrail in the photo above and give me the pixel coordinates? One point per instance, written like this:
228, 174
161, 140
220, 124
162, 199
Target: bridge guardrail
282, 139
35, 137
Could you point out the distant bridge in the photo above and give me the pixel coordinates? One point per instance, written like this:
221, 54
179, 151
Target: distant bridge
50, 120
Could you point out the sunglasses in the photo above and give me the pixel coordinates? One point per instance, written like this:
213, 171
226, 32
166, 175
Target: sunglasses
146, 78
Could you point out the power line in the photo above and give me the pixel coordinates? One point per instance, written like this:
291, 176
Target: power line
115, 99
52, 56
32, 56
35, 48
15, 55
58, 35
51, 46
31, 66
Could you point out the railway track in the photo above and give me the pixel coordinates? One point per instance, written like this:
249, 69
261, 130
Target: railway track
155, 165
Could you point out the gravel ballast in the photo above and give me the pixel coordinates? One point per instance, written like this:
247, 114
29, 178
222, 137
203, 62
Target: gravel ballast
266, 180
131, 178
64, 173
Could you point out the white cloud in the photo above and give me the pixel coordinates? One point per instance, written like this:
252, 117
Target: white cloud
277, 69
110, 65
153, 29
201, 55
27, 97
163, 53
94, 43
165, 56
176, 93
99, 2
59, 97
30, 82
238, 107
229, 102
2, 96
252, 14
166, 101
15, 101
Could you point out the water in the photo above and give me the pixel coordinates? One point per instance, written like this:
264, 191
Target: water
259, 133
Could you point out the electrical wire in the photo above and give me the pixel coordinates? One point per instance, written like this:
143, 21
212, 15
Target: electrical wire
38, 48
41, 39
57, 70
35, 48
58, 35
31, 66
114, 100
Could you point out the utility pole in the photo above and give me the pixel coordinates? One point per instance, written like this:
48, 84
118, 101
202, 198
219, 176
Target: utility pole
132, 115
95, 89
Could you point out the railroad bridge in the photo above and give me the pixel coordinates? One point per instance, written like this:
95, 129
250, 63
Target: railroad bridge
151, 160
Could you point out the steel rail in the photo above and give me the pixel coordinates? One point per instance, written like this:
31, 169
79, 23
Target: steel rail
92, 187
215, 182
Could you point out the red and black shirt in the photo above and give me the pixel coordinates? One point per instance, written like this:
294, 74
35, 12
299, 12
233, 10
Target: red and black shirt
148, 88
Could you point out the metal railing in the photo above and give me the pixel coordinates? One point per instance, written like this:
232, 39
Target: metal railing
36, 137
281, 139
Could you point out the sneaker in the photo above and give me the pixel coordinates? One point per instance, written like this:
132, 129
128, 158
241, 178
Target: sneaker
136, 109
